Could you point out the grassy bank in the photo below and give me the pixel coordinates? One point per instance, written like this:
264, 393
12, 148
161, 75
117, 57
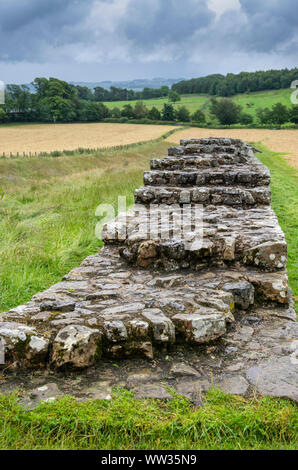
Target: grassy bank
284, 186
225, 422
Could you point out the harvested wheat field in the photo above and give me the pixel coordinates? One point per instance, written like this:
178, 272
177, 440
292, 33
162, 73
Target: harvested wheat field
38, 138
284, 141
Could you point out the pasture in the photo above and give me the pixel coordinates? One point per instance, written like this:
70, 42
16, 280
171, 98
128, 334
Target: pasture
249, 101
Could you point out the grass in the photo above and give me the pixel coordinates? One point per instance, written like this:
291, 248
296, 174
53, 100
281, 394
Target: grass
47, 223
284, 186
250, 102
225, 422
192, 102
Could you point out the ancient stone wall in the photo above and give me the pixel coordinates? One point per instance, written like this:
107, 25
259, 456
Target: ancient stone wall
145, 293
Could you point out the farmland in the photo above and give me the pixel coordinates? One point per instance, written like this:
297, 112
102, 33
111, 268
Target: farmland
38, 138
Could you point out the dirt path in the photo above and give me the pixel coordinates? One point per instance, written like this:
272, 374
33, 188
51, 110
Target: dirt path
285, 141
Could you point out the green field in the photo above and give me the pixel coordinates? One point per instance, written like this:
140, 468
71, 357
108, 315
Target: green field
47, 222
192, 102
249, 101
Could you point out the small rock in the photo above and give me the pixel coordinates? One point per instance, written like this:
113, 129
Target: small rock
193, 390
243, 293
152, 391
142, 377
181, 369
235, 385
235, 367
100, 391
47, 392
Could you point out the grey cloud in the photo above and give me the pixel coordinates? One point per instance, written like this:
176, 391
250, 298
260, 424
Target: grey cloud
29, 28
136, 37
152, 22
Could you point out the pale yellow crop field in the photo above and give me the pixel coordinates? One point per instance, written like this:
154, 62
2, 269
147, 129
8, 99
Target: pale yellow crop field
37, 138
285, 141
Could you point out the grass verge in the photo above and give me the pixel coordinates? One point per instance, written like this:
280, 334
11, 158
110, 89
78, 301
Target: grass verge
284, 186
225, 422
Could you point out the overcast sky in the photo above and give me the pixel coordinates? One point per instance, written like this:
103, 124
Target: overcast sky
95, 40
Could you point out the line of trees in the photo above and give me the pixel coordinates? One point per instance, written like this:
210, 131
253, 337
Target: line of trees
227, 112
244, 82
58, 101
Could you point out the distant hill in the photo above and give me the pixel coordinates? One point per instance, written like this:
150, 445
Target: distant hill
136, 85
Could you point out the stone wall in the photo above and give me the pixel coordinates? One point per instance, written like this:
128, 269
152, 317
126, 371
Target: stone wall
142, 294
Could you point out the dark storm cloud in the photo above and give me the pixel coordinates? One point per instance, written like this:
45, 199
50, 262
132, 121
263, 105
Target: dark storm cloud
30, 28
270, 25
151, 22
186, 35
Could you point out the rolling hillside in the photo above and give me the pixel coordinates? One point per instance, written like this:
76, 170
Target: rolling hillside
249, 101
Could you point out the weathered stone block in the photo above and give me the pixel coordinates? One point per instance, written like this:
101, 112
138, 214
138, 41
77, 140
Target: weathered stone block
200, 328
76, 346
243, 293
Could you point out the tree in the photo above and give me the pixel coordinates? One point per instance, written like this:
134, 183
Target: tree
84, 93
245, 118
294, 114
264, 115
116, 113
225, 111
168, 112
140, 110
183, 114
154, 114
3, 115
174, 96
198, 116
279, 113
128, 111
164, 90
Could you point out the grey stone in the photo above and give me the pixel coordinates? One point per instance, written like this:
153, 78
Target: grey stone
45, 393
236, 385
141, 377
181, 369
152, 391
277, 378
194, 390
243, 293
77, 346
200, 328
144, 292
